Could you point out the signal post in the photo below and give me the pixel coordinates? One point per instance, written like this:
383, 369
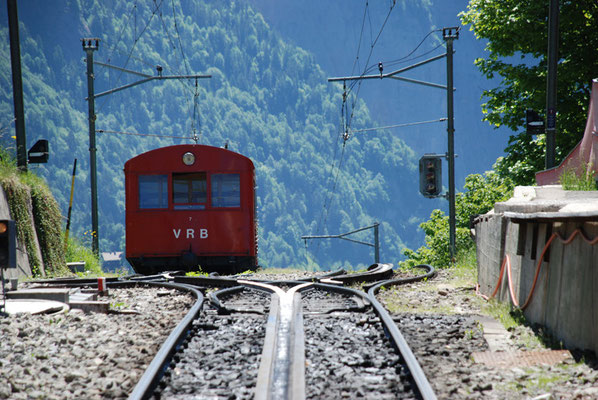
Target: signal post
449, 35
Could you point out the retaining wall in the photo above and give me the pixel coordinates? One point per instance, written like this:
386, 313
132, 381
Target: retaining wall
555, 238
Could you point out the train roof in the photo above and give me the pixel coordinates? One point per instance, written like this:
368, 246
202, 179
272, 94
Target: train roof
171, 158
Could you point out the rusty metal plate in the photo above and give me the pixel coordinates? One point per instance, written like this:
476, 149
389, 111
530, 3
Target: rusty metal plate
509, 359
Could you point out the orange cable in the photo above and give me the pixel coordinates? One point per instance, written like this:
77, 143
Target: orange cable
500, 274
546, 246
507, 263
511, 289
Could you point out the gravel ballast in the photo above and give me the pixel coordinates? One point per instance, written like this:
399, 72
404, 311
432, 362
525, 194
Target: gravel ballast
93, 356
439, 319
87, 356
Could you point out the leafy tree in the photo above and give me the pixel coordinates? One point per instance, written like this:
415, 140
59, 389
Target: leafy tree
517, 32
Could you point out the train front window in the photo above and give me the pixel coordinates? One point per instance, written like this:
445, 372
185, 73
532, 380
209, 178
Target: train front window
226, 190
189, 191
153, 191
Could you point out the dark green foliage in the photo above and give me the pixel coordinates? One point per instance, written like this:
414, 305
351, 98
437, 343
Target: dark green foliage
268, 99
525, 156
516, 31
480, 195
48, 223
436, 251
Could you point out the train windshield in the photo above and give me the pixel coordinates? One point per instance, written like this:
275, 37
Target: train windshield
153, 191
189, 191
226, 190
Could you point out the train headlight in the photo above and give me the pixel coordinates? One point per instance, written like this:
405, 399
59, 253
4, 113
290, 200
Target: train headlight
188, 158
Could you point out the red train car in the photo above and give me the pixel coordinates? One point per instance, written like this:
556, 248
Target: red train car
190, 206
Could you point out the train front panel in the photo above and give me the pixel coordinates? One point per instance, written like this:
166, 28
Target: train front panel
190, 207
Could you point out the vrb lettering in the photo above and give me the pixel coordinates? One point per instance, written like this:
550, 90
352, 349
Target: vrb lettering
190, 233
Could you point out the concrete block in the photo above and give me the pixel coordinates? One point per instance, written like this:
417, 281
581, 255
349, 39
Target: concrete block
551, 192
524, 193
91, 306
84, 295
33, 306
75, 267
61, 295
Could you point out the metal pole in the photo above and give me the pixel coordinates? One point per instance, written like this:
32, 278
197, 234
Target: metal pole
90, 45
17, 84
376, 244
551, 82
68, 218
449, 37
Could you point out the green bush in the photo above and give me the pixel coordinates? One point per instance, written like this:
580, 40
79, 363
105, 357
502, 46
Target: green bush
481, 193
436, 252
77, 251
48, 225
571, 181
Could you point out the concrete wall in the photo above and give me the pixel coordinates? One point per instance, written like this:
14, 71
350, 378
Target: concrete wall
565, 299
23, 269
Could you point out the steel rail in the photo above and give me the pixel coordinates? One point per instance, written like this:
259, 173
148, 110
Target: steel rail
75, 282
214, 298
149, 380
281, 374
71, 281
375, 272
423, 385
232, 282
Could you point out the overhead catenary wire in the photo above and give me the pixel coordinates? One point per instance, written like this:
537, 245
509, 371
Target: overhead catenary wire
323, 218
406, 57
347, 118
399, 125
355, 63
176, 28
403, 59
195, 118
120, 35
192, 106
372, 45
143, 134
135, 41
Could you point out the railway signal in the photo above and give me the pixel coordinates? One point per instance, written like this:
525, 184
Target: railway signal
39, 152
430, 175
534, 124
8, 244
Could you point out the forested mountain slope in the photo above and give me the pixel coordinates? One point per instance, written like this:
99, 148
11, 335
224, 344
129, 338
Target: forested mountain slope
332, 30
267, 98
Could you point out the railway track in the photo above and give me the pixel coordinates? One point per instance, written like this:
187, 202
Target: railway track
287, 340
97, 355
